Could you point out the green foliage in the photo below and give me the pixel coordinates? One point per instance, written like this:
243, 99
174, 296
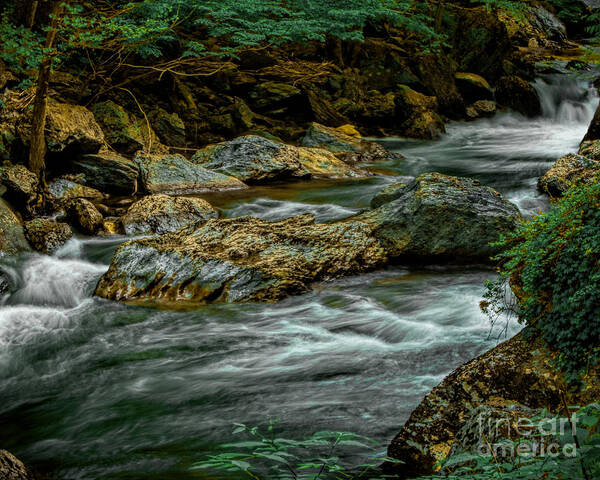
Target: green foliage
553, 261
566, 460
266, 456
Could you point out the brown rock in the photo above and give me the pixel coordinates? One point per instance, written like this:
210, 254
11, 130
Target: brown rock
11, 468
47, 236
568, 171
84, 215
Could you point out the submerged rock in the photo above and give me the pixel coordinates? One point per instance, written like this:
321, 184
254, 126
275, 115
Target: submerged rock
439, 216
84, 216
108, 172
162, 214
12, 236
568, 171
47, 236
519, 95
253, 159
243, 259
175, 175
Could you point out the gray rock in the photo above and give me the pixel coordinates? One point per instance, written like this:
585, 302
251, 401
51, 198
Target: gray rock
162, 214
12, 236
108, 172
393, 192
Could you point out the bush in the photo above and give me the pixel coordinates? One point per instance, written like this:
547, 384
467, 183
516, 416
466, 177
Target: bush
551, 263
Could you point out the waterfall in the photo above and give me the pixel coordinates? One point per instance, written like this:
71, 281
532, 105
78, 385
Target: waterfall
567, 99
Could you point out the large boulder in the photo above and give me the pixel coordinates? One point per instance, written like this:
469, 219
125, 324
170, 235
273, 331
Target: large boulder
350, 149
21, 184
162, 214
72, 128
11, 468
519, 95
12, 237
438, 216
590, 149
84, 216
242, 259
67, 188
108, 172
169, 127
47, 236
325, 164
473, 87
568, 171
417, 114
516, 376
253, 159
175, 175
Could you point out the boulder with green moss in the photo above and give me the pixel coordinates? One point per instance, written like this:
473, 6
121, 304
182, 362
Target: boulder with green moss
46, 235
568, 171
12, 236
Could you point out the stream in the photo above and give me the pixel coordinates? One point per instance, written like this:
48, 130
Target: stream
92, 389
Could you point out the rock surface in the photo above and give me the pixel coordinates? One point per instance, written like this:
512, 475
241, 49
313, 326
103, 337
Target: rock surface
162, 214
438, 216
481, 109
47, 236
323, 163
568, 171
12, 236
65, 189
253, 160
21, 184
235, 260
417, 114
175, 175
473, 87
11, 468
84, 216
108, 172
593, 132
519, 95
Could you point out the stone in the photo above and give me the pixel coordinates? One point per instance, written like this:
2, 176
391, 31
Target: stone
12, 236
72, 128
65, 189
238, 260
108, 172
393, 192
84, 216
417, 114
442, 217
270, 94
593, 132
568, 171
590, 149
473, 87
169, 127
159, 214
481, 109
349, 130
47, 236
324, 164
175, 175
21, 184
11, 468
519, 95
253, 160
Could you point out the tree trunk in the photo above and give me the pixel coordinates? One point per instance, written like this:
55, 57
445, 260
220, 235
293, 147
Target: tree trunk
37, 151
31, 11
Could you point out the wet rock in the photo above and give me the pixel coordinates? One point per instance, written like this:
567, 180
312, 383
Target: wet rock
439, 216
253, 160
323, 163
473, 87
590, 149
169, 127
124, 132
515, 372
242, 259
112, 226
481, 109
72, 128
162, 214
21, 184
84, 216
348, 148
393, 192
593, 132
417, 114
568, 171
12, 237
65, 188
47, 236
175, 175
519, 95
108, 172
11, 468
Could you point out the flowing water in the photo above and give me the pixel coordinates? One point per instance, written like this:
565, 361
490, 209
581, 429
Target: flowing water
93, 389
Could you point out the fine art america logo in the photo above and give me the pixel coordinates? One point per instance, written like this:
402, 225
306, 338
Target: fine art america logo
532, 437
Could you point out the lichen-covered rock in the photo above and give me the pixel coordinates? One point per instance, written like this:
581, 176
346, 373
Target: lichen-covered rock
21, 184
417, 114
65, 188
108, 172
47, 236
124, 132
439, 216
242, 259
473, 87
11, 468
393, 192
72, 128
162, 214
84, 216
519, 95
253, 159
590, 149
568, 171
481, 109
12, 237
323, 163
272, 94
515, 372
169, 127
348, 148
175, 175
